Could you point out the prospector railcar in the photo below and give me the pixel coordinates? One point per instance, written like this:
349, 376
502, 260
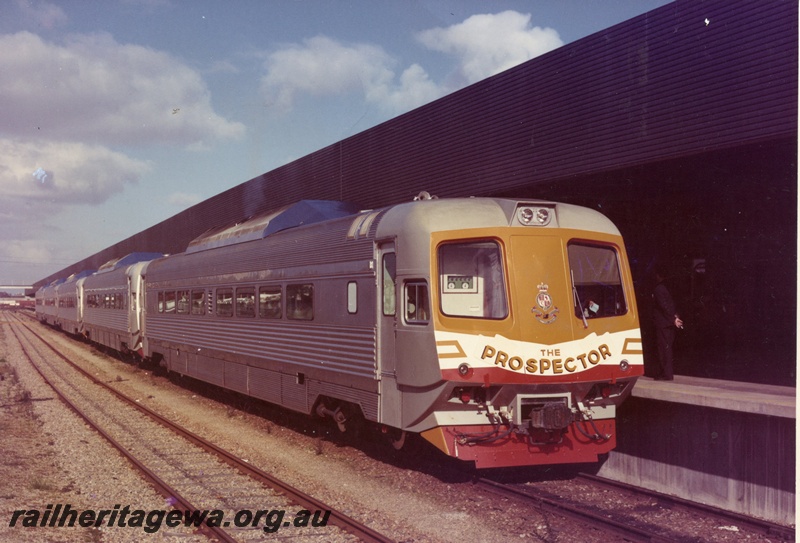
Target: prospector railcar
504, 332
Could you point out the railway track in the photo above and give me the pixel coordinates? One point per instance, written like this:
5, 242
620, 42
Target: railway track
759, 526
194, 475
618, 521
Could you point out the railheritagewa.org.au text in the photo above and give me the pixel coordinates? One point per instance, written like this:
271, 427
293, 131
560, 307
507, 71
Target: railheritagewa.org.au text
64, 516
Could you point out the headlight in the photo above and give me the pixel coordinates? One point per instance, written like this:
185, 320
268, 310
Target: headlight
525, 215
534, 216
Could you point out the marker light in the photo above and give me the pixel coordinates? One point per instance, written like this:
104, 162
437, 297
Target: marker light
624, 366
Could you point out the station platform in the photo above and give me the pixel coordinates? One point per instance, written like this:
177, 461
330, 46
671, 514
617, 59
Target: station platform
728, 444
775, 401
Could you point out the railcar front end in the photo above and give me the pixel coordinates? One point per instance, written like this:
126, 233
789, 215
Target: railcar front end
536, 333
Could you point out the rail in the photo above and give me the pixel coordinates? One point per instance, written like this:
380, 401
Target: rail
337, 518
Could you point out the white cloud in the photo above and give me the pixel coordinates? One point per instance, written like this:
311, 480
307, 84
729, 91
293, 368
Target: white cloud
32, 206
322, 66
77, 172
65, 108
483, 45
94, 89
25, 251
489, 44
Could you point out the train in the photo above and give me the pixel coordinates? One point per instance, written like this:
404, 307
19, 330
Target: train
502, 331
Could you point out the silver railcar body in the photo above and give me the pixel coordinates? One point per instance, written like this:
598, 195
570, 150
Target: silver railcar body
47, 303
112, 302
69, 306
234, 316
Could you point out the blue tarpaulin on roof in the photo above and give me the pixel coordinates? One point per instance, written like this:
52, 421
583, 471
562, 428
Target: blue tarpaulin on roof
127, 260
309, 212
301, 213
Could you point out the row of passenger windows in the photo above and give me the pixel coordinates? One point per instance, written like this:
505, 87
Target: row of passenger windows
265, 302
103, 301
66, 302
115, 300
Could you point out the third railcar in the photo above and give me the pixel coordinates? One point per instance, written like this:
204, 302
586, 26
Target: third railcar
112, 301
504, 332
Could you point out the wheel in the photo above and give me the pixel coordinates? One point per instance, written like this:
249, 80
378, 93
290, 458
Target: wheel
397, 438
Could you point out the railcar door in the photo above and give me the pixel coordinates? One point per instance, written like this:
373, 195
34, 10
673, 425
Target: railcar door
390, 409
136, 299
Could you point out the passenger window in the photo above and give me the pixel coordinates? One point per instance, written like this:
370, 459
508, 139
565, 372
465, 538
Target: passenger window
352, 297
269, 303
160, 302
183, 302
246, 302
197, 302
224, 302
471, 280
300, 302
169, 302
389, 278
596, 281
417, 311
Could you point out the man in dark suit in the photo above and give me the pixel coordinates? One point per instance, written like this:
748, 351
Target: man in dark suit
666, 322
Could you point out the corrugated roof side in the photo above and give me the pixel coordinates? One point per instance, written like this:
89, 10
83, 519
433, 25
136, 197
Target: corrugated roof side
688, 78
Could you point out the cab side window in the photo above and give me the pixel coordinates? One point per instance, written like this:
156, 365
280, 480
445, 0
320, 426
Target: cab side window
416, 302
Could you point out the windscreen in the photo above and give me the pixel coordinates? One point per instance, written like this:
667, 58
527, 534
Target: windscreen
596, 281
471, 280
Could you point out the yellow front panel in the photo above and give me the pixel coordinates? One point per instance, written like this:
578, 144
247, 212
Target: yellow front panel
540, 290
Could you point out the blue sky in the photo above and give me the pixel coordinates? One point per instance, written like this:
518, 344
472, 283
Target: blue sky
115, 115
